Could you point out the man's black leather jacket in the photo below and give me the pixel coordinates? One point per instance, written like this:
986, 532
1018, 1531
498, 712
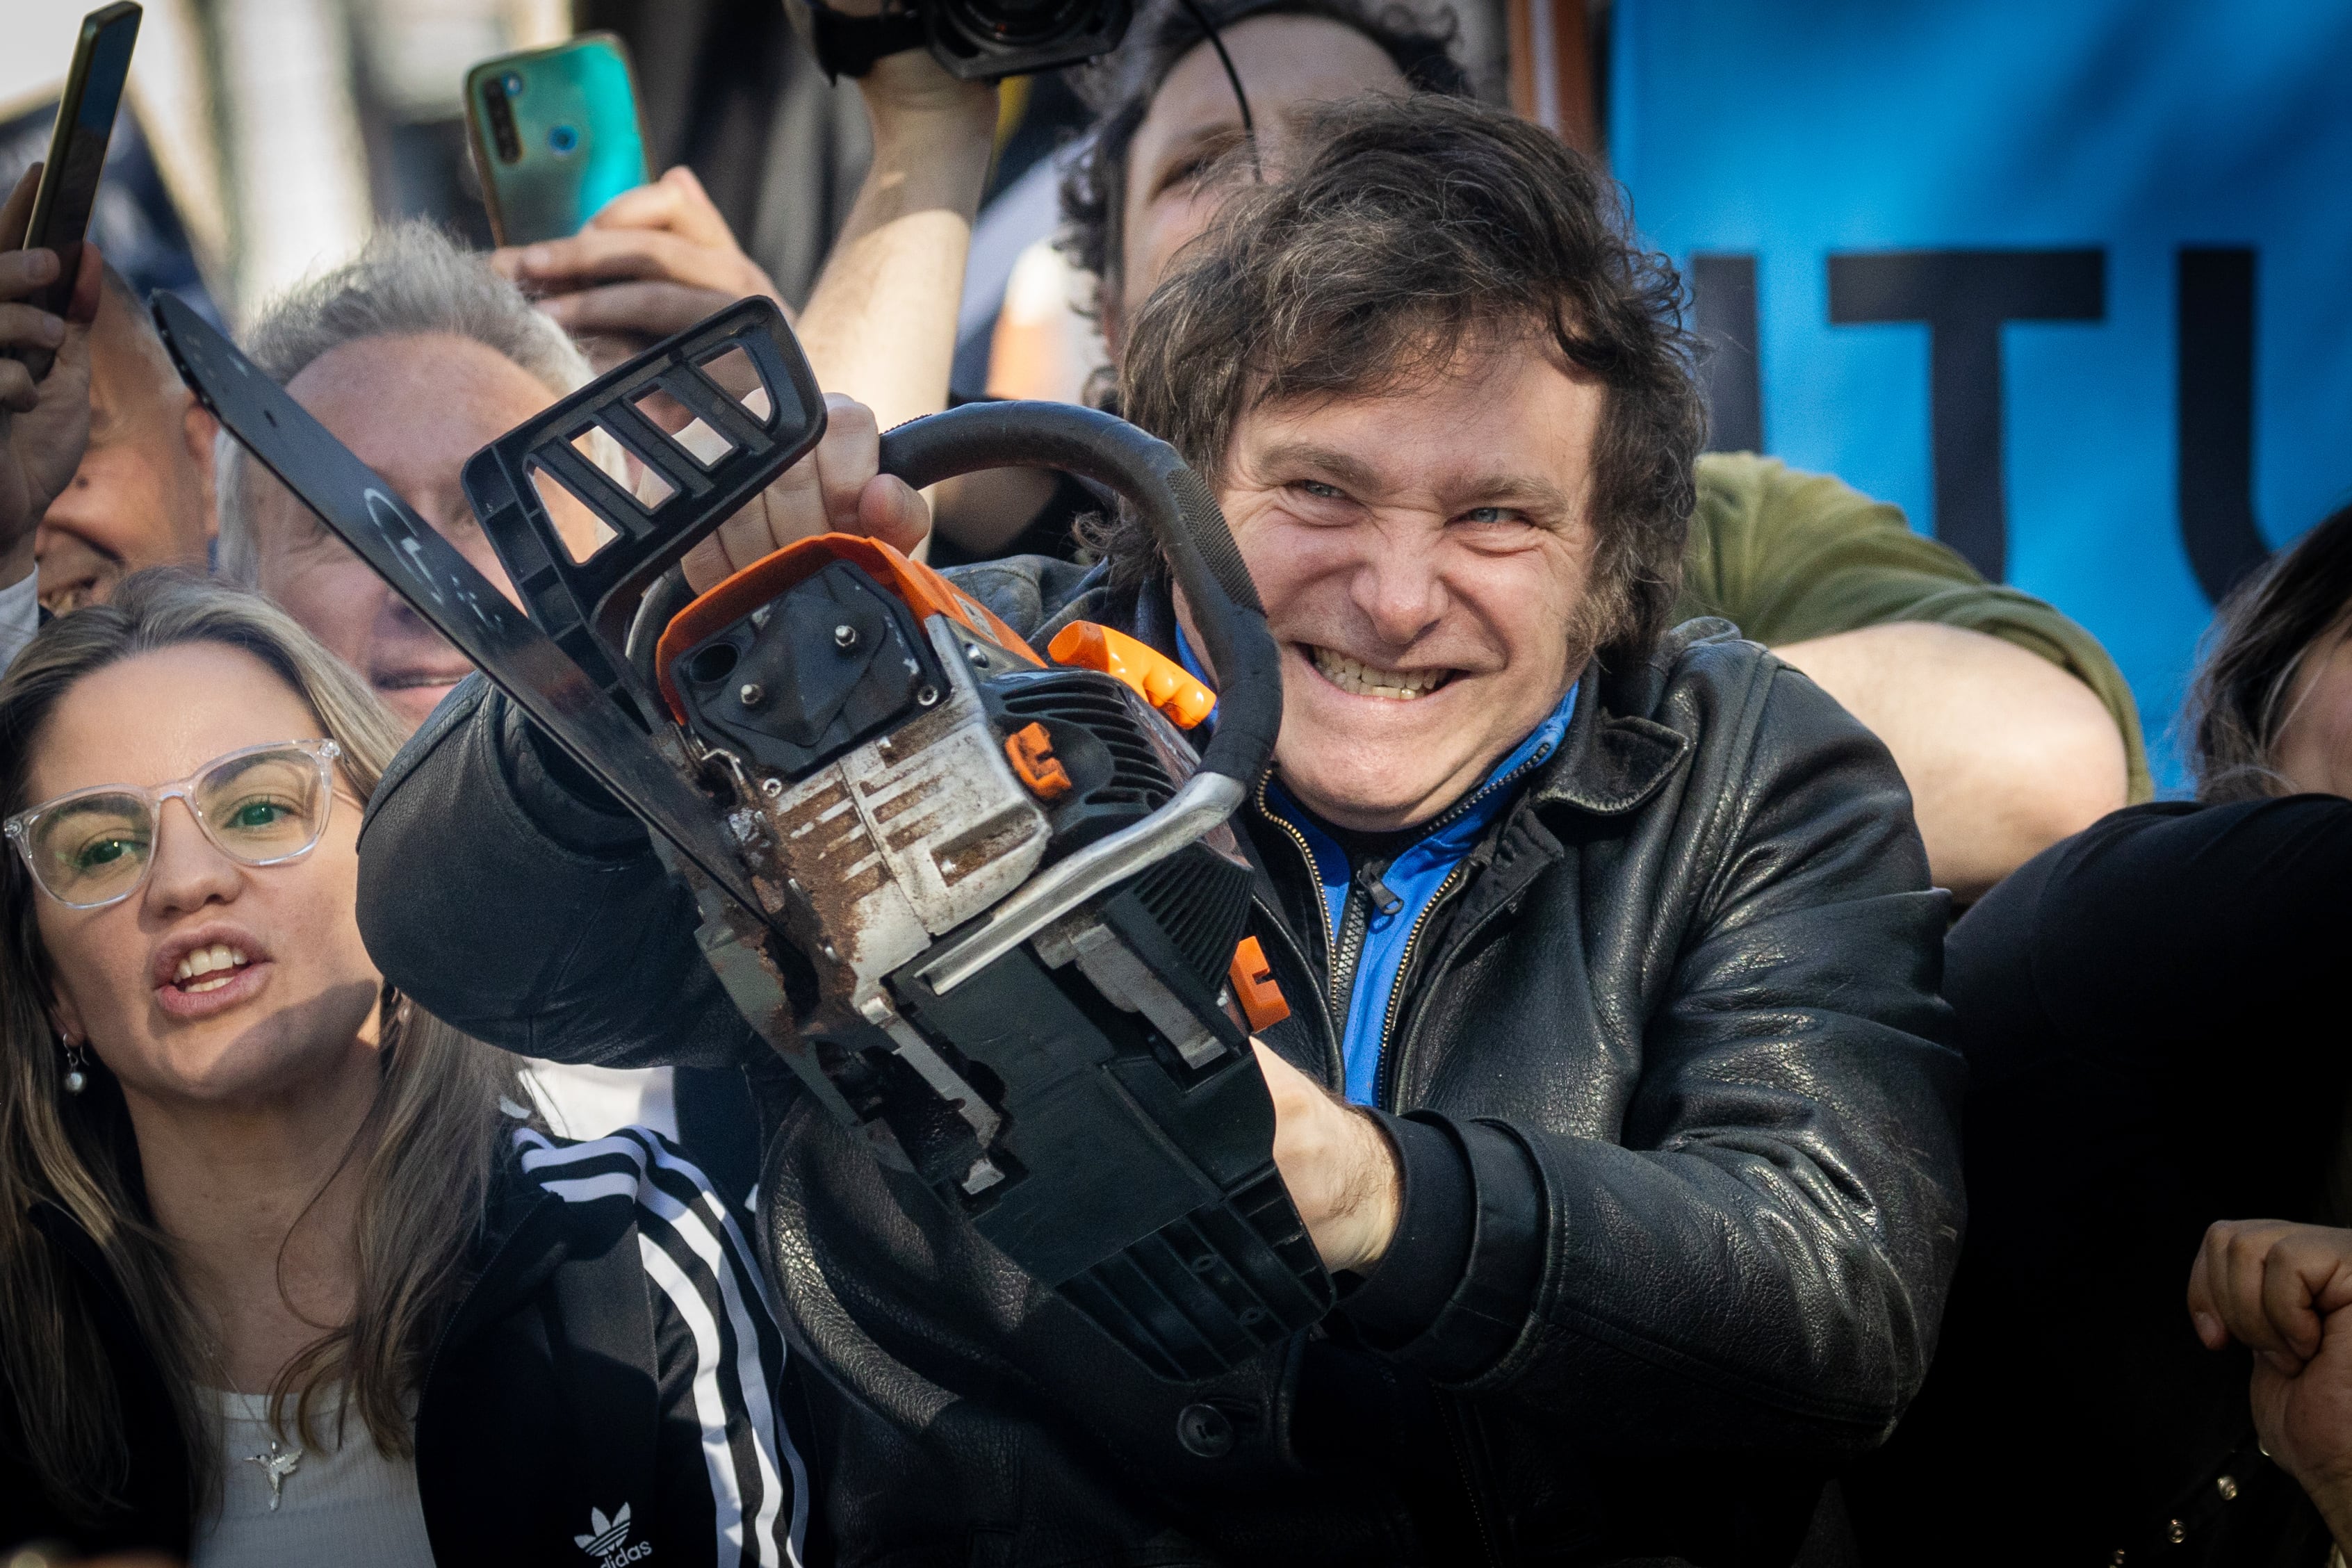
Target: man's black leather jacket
1682, 1190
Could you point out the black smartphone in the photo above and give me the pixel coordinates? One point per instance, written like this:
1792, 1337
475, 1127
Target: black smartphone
61, 206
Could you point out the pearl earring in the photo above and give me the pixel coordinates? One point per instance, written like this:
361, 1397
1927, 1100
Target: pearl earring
77, 1064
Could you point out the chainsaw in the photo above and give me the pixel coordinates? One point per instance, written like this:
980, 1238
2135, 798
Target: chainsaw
985, 903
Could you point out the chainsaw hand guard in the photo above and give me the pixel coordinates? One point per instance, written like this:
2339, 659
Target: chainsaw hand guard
989, 909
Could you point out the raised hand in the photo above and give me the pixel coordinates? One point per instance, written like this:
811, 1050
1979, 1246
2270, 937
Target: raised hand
2282, 1289
838, 488
653, 261
44, 424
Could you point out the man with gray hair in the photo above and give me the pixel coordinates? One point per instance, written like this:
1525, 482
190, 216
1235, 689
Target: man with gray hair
415, 354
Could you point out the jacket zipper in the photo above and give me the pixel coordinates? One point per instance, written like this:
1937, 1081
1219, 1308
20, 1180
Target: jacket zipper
1383, 1088
1281, 928
1451, 1419
1355, 924
1384, 1082
1322, 907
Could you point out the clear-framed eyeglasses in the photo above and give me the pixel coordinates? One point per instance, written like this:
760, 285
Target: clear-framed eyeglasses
262, 805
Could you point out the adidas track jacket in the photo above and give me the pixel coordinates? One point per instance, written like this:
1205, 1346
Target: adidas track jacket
606, 1396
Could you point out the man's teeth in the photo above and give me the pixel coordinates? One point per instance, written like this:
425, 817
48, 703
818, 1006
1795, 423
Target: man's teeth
1368, 680
212, 961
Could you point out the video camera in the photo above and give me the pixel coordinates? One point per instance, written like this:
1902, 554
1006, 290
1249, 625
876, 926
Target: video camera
978, 40
986, 904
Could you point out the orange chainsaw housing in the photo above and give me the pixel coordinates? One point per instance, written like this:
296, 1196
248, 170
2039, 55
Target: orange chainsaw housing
918, 587
1157, 678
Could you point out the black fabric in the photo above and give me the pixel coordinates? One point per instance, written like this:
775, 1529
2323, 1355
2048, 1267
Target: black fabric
849, 46
1683, 1024
1436, 1223
562, 1384
153, 1515
1052, 530
716, 1122
2151, 1012
564, 990
719, 1125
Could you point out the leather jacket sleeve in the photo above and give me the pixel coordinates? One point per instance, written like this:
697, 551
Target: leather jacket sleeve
509, 896
1761, 1248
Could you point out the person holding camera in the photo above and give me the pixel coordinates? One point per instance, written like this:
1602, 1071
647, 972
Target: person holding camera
1623, 1119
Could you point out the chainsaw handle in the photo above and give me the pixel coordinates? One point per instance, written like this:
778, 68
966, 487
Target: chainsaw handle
1174, 502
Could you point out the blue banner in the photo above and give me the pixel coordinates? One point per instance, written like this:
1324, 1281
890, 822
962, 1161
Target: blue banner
2070, 283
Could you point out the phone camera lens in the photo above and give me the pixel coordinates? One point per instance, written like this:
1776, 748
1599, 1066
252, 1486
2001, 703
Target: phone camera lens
562, 139
502, 124
512, 83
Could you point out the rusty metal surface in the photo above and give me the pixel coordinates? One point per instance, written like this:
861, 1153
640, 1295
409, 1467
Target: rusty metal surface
902, 839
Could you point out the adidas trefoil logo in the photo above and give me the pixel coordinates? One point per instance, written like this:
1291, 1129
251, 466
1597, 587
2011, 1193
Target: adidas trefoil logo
607, 1540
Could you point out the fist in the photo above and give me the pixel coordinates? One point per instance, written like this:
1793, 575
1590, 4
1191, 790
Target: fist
1341, 1171
2281, 1290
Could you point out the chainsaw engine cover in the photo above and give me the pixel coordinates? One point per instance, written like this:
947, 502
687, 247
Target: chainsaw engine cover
795, 684
1088, 1100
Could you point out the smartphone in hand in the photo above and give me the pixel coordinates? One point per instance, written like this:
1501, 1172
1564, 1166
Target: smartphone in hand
68, 187
556, 135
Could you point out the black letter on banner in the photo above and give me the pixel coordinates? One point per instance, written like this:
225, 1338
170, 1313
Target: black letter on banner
2215, 391
1964, 296
1723, 300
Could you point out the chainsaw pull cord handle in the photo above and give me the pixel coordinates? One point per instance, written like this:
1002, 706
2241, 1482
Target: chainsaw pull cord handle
1174, 502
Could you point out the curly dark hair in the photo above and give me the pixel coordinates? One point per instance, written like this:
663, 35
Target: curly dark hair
1120, 90
2262, 634
1406, 229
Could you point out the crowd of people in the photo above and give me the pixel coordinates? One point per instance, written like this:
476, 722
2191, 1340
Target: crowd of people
1770, 1083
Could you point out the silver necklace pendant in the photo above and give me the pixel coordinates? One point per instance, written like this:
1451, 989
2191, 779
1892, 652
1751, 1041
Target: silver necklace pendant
278, 1464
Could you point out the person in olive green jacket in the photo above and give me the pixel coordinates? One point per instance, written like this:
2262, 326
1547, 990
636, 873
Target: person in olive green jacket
2010, 724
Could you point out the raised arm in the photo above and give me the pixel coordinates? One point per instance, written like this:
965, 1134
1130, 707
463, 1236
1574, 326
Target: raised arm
2010, 724
881, 323
44, 424
2005, 753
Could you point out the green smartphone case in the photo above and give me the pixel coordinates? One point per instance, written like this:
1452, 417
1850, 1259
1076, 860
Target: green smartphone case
556, 135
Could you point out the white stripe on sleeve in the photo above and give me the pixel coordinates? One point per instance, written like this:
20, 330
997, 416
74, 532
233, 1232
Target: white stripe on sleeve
702, 1227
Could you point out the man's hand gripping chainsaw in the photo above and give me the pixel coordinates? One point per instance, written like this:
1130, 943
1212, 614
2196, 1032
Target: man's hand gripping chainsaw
987, 907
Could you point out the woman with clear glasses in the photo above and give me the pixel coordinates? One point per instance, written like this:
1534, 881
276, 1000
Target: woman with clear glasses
287, 1273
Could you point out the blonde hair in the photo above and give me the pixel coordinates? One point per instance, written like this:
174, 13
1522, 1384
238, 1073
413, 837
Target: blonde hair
426, 1150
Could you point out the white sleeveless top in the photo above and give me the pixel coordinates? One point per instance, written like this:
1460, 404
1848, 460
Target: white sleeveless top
350, 1506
